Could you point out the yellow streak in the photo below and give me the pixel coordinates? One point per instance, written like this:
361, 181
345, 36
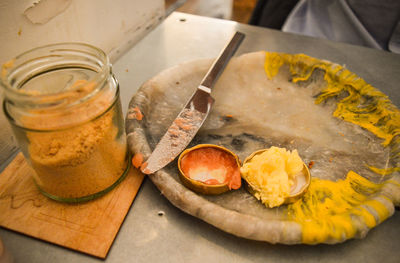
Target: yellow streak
336, 211
362, 104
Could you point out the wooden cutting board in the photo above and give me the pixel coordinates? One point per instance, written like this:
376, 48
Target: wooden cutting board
88, 227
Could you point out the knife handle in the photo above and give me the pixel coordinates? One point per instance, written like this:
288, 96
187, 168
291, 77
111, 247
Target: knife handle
220, 63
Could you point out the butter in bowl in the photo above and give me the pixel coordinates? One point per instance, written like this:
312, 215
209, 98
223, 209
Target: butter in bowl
276, 176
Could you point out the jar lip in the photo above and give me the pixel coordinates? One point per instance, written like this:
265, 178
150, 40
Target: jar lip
80, 47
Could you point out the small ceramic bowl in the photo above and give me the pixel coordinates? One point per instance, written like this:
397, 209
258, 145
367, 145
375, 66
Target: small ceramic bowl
206, 169
301, 181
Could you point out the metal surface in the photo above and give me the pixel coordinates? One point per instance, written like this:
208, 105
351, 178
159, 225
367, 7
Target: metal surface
222, 60
194, 113
147, 235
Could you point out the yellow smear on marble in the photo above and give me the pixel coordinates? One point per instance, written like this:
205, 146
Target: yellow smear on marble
364, 105
334, 210
384, 171
358, 102
272, 64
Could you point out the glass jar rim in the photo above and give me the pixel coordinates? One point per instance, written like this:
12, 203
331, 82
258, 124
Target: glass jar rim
13, 91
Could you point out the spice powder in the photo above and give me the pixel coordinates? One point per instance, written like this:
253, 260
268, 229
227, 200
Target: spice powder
82, 160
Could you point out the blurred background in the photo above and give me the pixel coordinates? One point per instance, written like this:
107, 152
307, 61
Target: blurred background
369, 23
236, 10
113, 25
116, 25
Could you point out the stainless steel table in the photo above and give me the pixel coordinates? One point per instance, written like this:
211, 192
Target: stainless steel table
177, 237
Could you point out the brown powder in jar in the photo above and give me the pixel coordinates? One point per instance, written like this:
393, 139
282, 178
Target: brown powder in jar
78, 161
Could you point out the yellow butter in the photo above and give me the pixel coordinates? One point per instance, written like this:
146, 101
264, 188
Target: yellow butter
271, 173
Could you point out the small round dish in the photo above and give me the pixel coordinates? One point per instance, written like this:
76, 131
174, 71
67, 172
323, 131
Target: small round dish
301, 181
209, 169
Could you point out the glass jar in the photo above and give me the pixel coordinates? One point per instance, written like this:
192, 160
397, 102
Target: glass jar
63, 104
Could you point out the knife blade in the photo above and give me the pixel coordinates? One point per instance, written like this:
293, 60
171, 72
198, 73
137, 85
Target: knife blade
192, 116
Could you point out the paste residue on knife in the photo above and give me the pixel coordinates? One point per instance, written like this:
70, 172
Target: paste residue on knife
211, 166
179, 134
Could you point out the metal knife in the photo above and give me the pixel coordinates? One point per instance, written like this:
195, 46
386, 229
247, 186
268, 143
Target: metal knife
193, 115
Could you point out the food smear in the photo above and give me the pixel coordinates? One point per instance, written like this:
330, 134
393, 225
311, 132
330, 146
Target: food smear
178, 136
335, 211
135, 113
362, 104
137, 160
211, 166
271, 173
339, 210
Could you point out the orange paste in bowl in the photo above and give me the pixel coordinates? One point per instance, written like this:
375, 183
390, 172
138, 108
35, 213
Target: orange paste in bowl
211, 166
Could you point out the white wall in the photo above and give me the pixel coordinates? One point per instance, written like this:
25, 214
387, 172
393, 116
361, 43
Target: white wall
112, 25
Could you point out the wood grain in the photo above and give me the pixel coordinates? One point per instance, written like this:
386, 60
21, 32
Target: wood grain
87, 227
